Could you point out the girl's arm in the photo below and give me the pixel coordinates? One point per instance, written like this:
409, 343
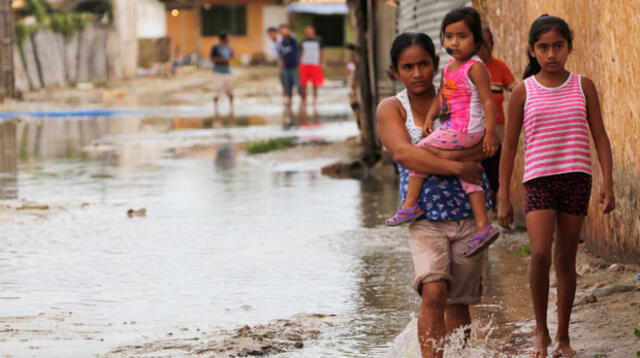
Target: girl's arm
509, 148
427, 127
393, 134
480, 77
603, 146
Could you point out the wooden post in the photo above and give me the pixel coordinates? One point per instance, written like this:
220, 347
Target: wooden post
198, 28
7, 86
363, 11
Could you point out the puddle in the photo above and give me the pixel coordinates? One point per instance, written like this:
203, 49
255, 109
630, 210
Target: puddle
226, 240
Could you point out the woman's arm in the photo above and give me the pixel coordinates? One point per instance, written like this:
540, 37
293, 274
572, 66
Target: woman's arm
393, 134
603, 146
473, 154
509, 147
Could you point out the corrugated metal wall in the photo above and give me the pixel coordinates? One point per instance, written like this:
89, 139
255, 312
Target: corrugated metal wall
426, 16
606, 51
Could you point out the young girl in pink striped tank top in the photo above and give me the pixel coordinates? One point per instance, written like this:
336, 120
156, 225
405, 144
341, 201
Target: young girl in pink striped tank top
557, 109
467, 117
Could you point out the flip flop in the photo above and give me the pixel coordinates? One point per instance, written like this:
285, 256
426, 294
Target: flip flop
481, 241
405, 215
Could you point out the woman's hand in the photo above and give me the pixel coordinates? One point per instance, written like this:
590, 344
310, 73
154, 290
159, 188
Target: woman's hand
607, 198
470, 172
490, 143
505, 210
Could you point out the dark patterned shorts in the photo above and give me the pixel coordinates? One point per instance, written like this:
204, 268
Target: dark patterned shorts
568, 193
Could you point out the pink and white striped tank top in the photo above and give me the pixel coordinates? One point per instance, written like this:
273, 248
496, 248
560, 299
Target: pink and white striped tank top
556, 131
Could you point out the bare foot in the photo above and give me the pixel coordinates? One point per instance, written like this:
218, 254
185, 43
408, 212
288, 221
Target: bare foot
543, 340
563, 349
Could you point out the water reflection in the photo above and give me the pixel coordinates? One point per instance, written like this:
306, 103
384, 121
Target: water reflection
8, 160
379, 195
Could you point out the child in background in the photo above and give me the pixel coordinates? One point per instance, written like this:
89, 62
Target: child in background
501, 80
558, 109
467, 117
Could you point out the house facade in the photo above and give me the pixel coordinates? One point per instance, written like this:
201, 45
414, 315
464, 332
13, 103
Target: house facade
194, 26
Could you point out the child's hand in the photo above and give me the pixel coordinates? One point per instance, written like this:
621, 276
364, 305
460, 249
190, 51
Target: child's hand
607, 198
427, 127
505, 210
490, 144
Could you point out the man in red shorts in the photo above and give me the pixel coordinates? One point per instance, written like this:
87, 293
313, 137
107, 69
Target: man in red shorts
312, 65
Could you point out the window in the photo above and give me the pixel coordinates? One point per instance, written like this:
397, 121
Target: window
331, 29
231, 19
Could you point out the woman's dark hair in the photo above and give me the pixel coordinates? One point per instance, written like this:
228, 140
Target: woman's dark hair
542, 25
408, 39
470, 17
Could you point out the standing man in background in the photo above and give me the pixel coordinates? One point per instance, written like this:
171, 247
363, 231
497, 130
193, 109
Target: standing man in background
312, 65
288, 60
221, 55
274, 40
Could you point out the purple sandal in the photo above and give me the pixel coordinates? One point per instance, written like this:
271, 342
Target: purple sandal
481, 241
405, 215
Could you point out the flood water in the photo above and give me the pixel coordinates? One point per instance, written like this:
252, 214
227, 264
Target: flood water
226, 241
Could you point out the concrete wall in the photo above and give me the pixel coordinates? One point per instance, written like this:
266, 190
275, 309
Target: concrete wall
606, 51
151, 22
124, 45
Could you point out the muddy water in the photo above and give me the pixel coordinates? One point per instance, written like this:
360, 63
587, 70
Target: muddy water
226, 241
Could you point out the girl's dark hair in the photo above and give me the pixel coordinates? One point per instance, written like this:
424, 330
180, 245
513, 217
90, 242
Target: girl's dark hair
542, 25
487, 29
470, 17
408, 39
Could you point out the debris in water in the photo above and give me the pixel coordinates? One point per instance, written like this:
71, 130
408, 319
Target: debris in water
28, 206
140, 212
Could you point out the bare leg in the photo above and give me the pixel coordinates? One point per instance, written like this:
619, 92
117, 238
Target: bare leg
431, 323
564, 263
287, 99
413, 191
540, 225
303, 99
478, 206
457, 316
315, 97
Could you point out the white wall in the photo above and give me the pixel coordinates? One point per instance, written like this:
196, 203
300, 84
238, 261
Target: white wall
123, 48
273, 15
152, 23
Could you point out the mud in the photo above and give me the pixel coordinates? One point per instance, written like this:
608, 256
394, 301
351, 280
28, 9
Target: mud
276, 336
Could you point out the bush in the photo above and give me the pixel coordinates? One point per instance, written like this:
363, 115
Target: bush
23, 31
69, 23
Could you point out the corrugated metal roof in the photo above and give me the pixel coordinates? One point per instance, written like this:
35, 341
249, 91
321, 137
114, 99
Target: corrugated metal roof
426, 16
319, 8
